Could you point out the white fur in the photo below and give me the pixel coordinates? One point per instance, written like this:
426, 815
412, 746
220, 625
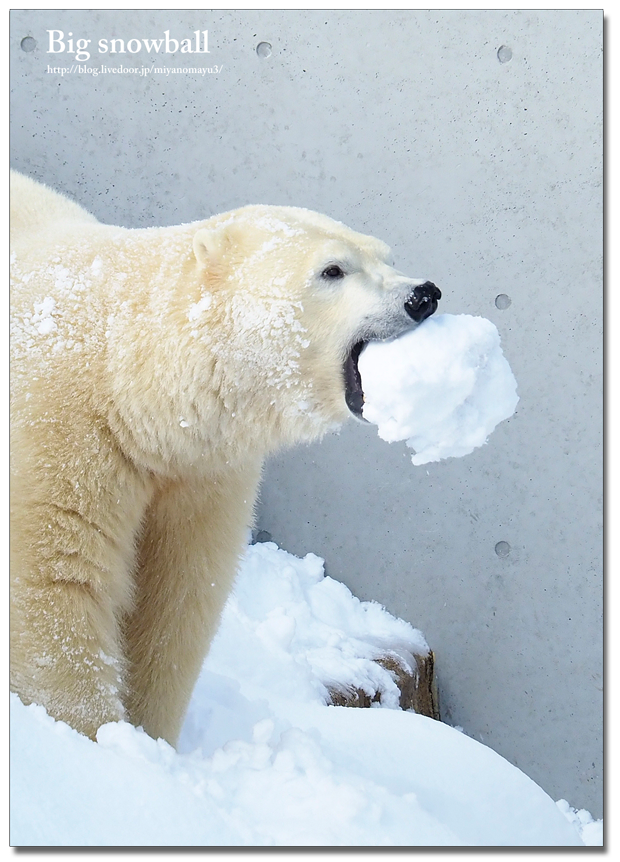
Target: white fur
152, 372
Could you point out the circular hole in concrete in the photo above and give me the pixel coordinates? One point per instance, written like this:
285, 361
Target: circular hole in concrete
263, 49
502, 549
504, 54
28, 44
502, 301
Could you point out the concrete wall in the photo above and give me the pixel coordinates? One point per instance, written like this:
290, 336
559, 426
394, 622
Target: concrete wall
471, 143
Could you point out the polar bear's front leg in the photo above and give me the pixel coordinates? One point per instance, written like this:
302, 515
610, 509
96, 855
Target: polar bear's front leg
193, 536
65, 653
71, 583
76, 506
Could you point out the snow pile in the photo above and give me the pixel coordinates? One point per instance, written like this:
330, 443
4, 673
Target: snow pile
443, 387
591, 830
289, 634
264, 762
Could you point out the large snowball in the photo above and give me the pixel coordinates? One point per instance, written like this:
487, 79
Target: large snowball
442, 387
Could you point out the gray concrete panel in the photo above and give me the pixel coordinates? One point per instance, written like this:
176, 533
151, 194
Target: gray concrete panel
471, 142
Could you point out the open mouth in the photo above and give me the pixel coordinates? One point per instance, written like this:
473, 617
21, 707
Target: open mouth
354, 394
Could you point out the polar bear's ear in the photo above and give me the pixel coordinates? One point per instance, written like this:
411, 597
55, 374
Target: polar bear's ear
209, 244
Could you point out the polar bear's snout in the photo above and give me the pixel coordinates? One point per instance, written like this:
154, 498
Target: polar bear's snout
419, 303
423, 301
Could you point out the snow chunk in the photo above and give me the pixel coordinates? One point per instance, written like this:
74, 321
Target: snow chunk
197, 308
96, 267
42, 317
590, 830
443, 387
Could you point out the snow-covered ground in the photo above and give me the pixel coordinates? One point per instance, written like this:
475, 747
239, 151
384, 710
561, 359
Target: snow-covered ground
263, 761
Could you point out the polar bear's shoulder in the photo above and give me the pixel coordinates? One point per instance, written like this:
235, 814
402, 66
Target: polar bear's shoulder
34, 206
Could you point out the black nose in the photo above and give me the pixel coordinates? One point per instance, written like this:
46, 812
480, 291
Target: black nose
423, 301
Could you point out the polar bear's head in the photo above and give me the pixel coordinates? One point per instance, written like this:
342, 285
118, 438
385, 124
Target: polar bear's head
297, 296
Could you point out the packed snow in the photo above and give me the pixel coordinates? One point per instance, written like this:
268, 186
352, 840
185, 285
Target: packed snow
443, 387
264, 761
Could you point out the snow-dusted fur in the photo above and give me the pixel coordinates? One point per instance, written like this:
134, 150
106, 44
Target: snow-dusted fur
152, 372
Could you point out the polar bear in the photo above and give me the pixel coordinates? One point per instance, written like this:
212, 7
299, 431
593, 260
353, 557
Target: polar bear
152, 372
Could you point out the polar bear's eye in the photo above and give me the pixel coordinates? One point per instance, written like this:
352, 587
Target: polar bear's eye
332, 272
